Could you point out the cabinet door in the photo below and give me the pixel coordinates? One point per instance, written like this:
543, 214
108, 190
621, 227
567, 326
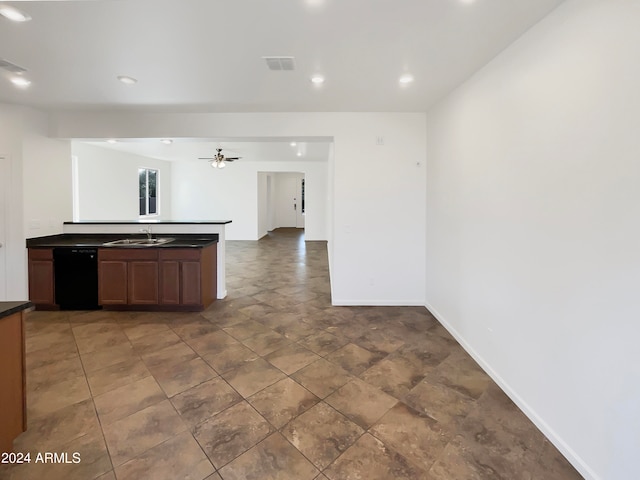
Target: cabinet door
209, 274
143, 282
190, 280
12, 413
170, 282
112, 282
41, 282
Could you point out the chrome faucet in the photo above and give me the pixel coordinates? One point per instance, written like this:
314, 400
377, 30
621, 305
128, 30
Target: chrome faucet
148, 232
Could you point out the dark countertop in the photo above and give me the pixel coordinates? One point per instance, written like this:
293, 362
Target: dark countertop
9, 308
196, 240
153, 222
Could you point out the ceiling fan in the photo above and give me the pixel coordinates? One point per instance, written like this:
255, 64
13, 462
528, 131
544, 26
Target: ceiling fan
219, 160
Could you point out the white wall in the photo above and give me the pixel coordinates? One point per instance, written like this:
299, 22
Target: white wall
108, 183
39, 197
11, 145
270, 202
205, 193
264, 191
379, 207
533, 201
375, 197
47, 178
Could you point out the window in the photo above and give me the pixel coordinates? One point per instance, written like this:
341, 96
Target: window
148, 192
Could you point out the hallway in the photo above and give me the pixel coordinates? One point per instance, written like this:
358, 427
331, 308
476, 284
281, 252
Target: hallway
270, 383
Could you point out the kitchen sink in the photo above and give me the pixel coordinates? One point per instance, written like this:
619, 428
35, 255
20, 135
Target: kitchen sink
138, 242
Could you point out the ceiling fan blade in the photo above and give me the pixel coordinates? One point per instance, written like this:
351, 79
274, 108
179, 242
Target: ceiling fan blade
231, 159
206, 158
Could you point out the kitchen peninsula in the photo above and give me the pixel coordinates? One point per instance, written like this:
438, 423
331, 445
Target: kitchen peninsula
161, 265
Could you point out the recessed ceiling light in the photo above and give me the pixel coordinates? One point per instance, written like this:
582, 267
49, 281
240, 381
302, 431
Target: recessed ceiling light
167, 141
127, 80
406, 79
299, 154
112, 141
20, 82
317, 79
293, 144
13, 14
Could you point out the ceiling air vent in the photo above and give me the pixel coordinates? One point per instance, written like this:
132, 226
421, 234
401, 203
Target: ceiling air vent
11, 67
279, 63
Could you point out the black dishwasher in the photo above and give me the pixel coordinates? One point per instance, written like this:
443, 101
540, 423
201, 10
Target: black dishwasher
76, 278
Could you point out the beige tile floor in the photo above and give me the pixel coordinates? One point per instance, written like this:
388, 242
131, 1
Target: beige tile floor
270, 383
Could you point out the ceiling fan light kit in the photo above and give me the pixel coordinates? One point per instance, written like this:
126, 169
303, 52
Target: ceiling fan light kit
219, 160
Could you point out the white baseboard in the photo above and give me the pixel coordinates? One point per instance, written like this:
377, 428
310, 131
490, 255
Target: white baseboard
376, 303
545, 428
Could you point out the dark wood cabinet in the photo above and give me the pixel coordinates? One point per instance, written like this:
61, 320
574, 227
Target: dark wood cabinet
41, 286
127, 276
140, 278
209, 274
170, 282
143, 282
112, 282
190, 280
13, 414
188, 276
157, 278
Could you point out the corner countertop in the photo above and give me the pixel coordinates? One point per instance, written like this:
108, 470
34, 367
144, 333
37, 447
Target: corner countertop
89, 240
9, 308
153, 222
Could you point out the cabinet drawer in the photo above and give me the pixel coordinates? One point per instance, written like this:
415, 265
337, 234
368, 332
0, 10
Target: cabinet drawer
127, 254
180, 253
41, 254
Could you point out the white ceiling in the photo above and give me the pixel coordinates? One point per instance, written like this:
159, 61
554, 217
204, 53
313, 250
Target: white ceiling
205, 55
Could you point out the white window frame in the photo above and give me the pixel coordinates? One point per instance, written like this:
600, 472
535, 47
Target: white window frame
146, 209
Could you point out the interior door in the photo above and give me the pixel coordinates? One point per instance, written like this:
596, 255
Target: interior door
286, 199
4, 202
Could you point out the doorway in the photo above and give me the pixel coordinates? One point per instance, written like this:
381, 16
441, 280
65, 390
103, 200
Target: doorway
4, 188
288, 205
284, 200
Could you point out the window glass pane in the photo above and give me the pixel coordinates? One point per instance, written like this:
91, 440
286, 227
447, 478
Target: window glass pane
148, 191
153, 205
142, 190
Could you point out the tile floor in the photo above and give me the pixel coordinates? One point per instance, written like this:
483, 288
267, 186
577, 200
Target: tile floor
270, 383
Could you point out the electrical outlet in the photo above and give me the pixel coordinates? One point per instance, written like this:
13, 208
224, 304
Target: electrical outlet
379, 140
